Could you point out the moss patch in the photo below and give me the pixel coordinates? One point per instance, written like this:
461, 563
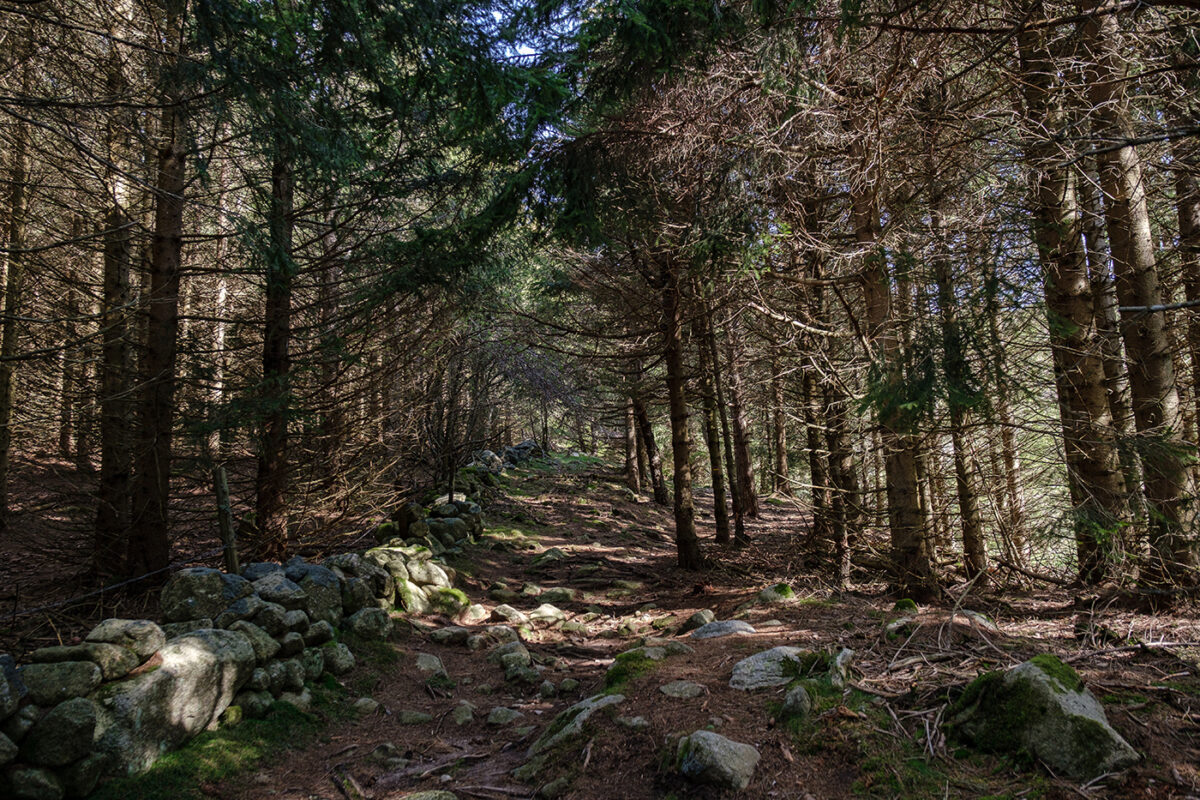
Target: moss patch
216, 755
626, 667
905, 606
1067, 678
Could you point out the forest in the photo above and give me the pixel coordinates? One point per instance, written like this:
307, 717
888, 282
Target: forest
931, 271
906, 293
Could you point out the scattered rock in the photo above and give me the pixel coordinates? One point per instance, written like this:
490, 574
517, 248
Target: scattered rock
547, 615
503, 716
559, 594
710, 758
547, 689
506, 613
570, 722
474, 614
774, 667
697, 620
429, 664
338, 658
463, 713
451, 635
366, 705
779, 593
683, 690
796, 704
409, 717
1040, 708
726, 627
549, 556
633, 723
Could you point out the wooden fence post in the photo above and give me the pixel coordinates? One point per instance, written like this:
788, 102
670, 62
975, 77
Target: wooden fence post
225, 521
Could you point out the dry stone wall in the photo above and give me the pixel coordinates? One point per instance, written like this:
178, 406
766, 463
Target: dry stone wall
136, 689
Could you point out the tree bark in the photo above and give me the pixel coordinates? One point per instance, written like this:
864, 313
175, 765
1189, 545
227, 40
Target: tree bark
686, 545
12, 280
1097, 484
779, 428
653, 457
1169, 483
712, 434
271, 515
149, 546
735, 497
737, 415
633, 477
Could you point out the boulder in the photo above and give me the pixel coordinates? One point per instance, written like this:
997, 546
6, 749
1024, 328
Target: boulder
141, 636
313, 661
725, 627
449, 530
140, 718
62, 736
254, 704
201, 592
18, 724
275, 587
9, 699
501, 715
318, 634
405, 516
709, 758
796, 704
8, 750
296, 621
774, 667
114, 661
290, 644
50, 684
451, 635
272, 618
547, 615
173, 629
356, 595
1040, 709
683, 690
426, 573
410, 597
369, 623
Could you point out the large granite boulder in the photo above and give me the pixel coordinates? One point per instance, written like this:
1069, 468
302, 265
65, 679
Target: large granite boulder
1040, 709
198, 592
141, 718
50, 684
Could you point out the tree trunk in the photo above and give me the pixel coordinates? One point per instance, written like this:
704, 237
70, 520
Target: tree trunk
149, 546
712, 435
681, 447
271, 516
1169, 484
823, 524
959, 400
779, 428
741, 434
1097, 485
910, 555
12, 280
735, 497
633, 477
653, 457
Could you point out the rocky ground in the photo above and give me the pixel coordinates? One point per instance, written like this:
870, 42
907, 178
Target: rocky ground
576, 571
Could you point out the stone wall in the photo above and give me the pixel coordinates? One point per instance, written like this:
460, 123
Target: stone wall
135, 689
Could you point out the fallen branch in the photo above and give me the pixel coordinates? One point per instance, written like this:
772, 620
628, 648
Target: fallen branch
1037, 576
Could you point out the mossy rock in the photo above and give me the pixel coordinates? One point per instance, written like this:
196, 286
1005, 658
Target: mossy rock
905, 606
1040, 710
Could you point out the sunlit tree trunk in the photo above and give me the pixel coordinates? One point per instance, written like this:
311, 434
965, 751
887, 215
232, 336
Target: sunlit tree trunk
712, 434
1169, 485
653, 457
633, 477
737, 416
779, 428
686, 545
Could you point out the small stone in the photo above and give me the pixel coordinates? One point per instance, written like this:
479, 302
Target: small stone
547, 689
779, 593
507, 613
17, 725
293, 674
451, 635
296, 621
8, 750
683, 690
275, 587
633, 723
568, 685
697, 620
302, 699
245, 608
272, 618
366, 705
80, 779
504, 655
50, 684
569, 723
474, 614
429, 664
728, 627
547, 615
796, 704
463, 713
141, 636
503, 716
254, 704
530, 590
62, 736
409, 717
774, 667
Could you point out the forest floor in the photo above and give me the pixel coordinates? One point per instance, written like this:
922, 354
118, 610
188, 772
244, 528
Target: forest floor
881, 740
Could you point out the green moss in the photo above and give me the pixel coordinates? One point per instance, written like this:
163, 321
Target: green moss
1067, 678
905, 605
783, 590
626, 667
216, 755
370, 651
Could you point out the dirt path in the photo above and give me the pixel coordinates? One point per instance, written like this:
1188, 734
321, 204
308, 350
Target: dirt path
882, 740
